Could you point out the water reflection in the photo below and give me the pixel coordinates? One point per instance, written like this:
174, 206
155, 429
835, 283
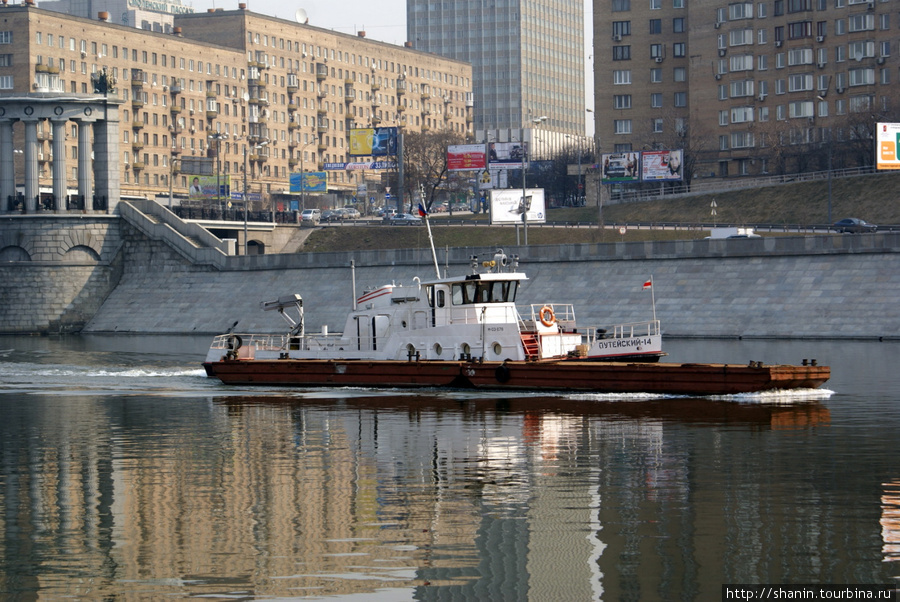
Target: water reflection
131, 478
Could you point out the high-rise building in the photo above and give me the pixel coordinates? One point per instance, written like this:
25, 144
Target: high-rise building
527, 62
747, 88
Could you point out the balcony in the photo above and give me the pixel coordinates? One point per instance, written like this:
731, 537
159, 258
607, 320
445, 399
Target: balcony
322, 147
175, 110
137, 165
212, 114
137, 103
321, 71
137, 145
137, 124
293, 125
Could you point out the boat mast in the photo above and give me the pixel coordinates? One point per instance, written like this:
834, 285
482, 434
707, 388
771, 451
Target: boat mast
424, 213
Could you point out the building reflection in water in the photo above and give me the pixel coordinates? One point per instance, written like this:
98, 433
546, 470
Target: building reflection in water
429, 498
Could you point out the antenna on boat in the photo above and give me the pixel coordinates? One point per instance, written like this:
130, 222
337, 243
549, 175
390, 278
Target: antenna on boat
423, 213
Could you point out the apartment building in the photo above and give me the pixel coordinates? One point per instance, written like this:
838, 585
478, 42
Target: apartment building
746, 88
233, 87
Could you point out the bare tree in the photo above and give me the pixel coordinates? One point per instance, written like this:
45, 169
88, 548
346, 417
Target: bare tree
425, 161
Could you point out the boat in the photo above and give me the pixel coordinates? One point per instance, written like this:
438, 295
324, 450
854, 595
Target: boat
467, 332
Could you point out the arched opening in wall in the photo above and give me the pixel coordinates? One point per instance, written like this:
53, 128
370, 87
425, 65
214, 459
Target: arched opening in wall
256, 247
14, 253
81, 254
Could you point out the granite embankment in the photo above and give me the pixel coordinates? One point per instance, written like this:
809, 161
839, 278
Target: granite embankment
141, 275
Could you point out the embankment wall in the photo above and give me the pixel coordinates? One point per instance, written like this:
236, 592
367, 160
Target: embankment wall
101, 274
803, 286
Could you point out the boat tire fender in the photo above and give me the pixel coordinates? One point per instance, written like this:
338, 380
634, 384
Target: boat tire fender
235, 342
502, 373
548, 318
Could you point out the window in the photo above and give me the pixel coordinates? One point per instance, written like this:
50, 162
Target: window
656, 125
622, 101
656, 75
679, 74
621, 28
861, 77
681, 99
761, 10
741, 139
742, 62
762, 36
840, 27
762, 62
741, 88
723, 117
801, 108
656, 51
677, 3
740, 37
863, 22
6, 37
800, 56
655, 4
621, 53
6, 82
5, 60
860, 50
679, 49
619, 6
678, 25
622, 76
798, 6
800, 82
740, 10
802, 29
656, 100
622, 126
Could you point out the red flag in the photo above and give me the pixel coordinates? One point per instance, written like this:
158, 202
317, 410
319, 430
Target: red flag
648, 284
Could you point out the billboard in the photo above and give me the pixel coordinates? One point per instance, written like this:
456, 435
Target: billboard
661, 166
373, 142
205, 187
461, 157
507, 206
887, 146
309, 181
507, 153
621, 167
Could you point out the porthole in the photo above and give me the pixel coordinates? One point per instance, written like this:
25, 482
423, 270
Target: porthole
438, 349
466, 350
497, 348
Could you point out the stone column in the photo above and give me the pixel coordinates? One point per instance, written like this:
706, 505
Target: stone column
107, 164
32, 189
85, 189
7, 165
59, 163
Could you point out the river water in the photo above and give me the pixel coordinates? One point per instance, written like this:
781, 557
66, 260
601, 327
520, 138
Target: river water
126, 474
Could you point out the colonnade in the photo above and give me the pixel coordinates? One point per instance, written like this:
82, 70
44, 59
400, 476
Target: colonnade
97, 122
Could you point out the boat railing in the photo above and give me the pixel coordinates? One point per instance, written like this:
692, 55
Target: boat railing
624, 331
560, 313
273, 342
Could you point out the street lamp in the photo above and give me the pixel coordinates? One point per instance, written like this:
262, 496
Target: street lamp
218, 137
526, 204
247, 193
828, 144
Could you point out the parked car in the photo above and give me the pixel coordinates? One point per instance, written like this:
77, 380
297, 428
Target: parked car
333, 215
404, 219
351, 212
311, 216
854, 225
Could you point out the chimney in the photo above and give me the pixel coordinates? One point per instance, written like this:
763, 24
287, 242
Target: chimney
176, 31
407, 44
242, 5
103, 16
361, 34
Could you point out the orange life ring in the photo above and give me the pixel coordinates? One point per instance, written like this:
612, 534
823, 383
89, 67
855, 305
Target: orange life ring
548, 318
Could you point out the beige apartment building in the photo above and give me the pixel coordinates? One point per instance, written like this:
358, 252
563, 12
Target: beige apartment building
225, 89
746, 88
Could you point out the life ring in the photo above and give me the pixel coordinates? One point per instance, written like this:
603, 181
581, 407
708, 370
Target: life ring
548, 318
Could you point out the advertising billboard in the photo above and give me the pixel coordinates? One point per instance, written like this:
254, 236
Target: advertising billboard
661, 166
309, 181
621, 167
461, 157
507, 206
507, 154
373, 142
205, 187
887, 146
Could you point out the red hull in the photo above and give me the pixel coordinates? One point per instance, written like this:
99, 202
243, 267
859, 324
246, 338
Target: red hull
567, 375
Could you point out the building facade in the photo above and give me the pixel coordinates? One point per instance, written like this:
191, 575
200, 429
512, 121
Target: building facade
746, 88
229, 89
527, 62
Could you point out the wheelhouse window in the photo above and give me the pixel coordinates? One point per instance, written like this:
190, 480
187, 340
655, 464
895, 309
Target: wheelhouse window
484, 291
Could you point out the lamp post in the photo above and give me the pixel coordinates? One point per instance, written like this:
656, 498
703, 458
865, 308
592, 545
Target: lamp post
218, 136
828, 145
526, 204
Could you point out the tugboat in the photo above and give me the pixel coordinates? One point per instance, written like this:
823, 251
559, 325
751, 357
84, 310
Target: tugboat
467, 332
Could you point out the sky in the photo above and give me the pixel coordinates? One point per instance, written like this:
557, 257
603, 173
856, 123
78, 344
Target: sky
384, 21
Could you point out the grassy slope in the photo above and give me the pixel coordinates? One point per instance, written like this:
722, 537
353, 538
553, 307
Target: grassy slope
873, 198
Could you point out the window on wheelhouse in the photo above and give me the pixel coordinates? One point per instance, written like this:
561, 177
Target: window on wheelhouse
491, 291
437, 296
